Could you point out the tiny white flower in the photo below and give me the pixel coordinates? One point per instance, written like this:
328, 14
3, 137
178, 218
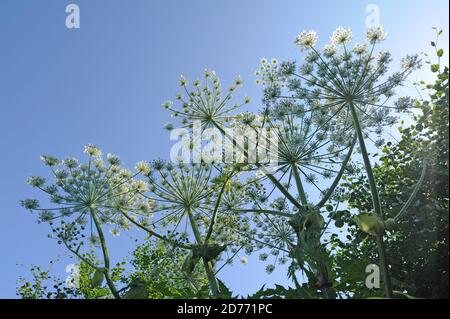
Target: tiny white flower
183, 81
244, 260
115, 232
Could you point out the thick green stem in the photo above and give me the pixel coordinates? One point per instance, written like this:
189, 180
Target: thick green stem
375, 201
298, 181
384, 267
211, 278
109, 282
194, 227
208, 267
326, 287
368, 166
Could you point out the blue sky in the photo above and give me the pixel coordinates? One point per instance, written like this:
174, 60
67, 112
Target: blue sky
104, 83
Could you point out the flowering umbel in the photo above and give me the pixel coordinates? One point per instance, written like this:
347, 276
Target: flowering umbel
83, 194
205, 101
329, 80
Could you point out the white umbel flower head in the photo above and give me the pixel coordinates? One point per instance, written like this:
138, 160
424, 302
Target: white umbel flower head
376, 34
360, 48
329, 50
306, 39
341, 36
411, 62
92, 150
143, 167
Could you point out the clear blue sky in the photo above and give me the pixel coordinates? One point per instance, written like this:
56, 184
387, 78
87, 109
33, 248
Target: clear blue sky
104, 83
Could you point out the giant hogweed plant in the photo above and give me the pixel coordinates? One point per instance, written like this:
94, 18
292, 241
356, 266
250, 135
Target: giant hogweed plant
348, 90
340, 95
303, 146
174, 203
337, 99
84, 198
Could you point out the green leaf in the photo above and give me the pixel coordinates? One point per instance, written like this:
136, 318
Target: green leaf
97, 278
370, 224
225, 292
339, 223
440, 53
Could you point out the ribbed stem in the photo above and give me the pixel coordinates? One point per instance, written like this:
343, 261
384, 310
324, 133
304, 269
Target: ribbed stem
375, 201
368, 166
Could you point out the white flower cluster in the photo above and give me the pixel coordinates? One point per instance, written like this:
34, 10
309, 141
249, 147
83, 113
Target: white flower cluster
341, 36
329, 50
376, 35
204, 101
92, 150
269, 73
360, 49
306, 40
143, 167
